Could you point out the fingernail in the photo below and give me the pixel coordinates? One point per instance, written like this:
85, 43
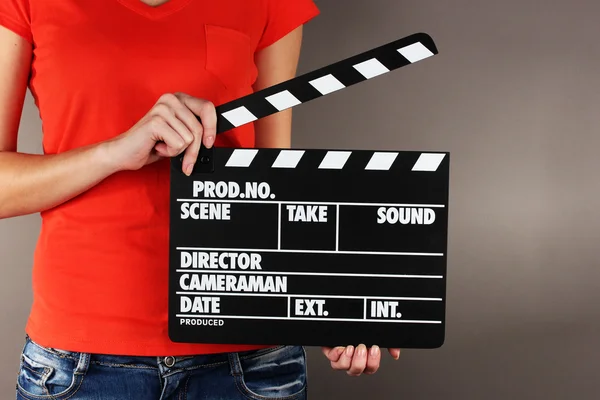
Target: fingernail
374, 351
362, 351
189, 169
209, 141
349, 350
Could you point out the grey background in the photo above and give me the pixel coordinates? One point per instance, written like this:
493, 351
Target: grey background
514, 96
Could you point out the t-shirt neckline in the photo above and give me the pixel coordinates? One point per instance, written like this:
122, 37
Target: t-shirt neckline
154, 12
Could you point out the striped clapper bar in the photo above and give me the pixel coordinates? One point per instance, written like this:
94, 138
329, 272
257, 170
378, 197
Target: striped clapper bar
311, 246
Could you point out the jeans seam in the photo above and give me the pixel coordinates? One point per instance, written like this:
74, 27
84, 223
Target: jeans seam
78, 377
35, 372
262, 352
239, 382
180, 370
45, 376
105, 364
238, 375
56, 353
185, 388
74, 390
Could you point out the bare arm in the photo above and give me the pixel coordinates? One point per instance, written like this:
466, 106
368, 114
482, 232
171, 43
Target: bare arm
277, 63
32, 183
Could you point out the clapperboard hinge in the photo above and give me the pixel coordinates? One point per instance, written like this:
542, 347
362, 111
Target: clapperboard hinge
315, 84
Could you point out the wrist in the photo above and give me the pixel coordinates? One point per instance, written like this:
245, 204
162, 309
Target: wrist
106, 155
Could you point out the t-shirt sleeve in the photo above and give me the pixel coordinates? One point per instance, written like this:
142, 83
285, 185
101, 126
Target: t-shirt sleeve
15, 16
283, 16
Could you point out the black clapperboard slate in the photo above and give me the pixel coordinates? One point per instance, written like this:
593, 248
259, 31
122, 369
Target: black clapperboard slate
319, 247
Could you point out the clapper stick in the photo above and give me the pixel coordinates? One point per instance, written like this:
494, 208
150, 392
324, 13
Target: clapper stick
324, 81
321, 82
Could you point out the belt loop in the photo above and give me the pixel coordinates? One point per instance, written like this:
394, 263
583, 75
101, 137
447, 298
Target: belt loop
83, 364
234, 364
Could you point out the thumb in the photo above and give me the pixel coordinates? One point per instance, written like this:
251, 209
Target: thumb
333, 354
395, 353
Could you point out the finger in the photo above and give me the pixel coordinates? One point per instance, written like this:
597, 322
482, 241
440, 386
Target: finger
333, 354
174, 113
395, 353
191, 154
373, 360
168, 114
345, 360
187, 117
172, 143
359, 361
185, 111
206, 111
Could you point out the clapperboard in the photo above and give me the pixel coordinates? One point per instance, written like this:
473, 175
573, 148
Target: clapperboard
311, 246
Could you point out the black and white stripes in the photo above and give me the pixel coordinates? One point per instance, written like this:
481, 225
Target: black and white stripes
324, 81
334, 159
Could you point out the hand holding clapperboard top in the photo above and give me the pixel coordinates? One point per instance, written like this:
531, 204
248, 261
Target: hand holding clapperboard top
311, 247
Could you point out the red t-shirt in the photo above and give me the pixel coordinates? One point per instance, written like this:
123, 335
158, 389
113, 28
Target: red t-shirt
100, 274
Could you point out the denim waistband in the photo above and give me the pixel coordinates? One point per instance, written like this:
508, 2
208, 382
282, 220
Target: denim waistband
166, 365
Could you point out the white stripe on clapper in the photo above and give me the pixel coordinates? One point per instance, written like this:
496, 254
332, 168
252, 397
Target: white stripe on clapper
288, 159
428, 162
334, 160
241, 158
415, 52
381, 161
371, 68
327, 84
239, 116
283, 100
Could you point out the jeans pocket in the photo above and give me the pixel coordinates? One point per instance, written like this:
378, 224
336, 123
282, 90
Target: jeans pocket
278, 373
46, 373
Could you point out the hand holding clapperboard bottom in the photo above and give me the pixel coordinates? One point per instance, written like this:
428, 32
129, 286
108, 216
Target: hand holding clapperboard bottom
311, 247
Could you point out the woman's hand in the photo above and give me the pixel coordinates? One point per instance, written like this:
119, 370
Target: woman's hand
356, 361
36, 182
168, 129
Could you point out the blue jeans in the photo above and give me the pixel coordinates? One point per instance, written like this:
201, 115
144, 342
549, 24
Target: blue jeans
274, 373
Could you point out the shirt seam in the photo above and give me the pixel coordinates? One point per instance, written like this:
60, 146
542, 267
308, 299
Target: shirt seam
24, 30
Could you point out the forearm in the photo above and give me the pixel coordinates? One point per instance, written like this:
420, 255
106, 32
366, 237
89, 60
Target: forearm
32, 183
277, 63
274, 131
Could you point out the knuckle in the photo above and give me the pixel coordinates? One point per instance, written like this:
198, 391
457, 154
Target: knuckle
168, 98
176, 144
209, 108
161, 108
198, 129
156, 121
